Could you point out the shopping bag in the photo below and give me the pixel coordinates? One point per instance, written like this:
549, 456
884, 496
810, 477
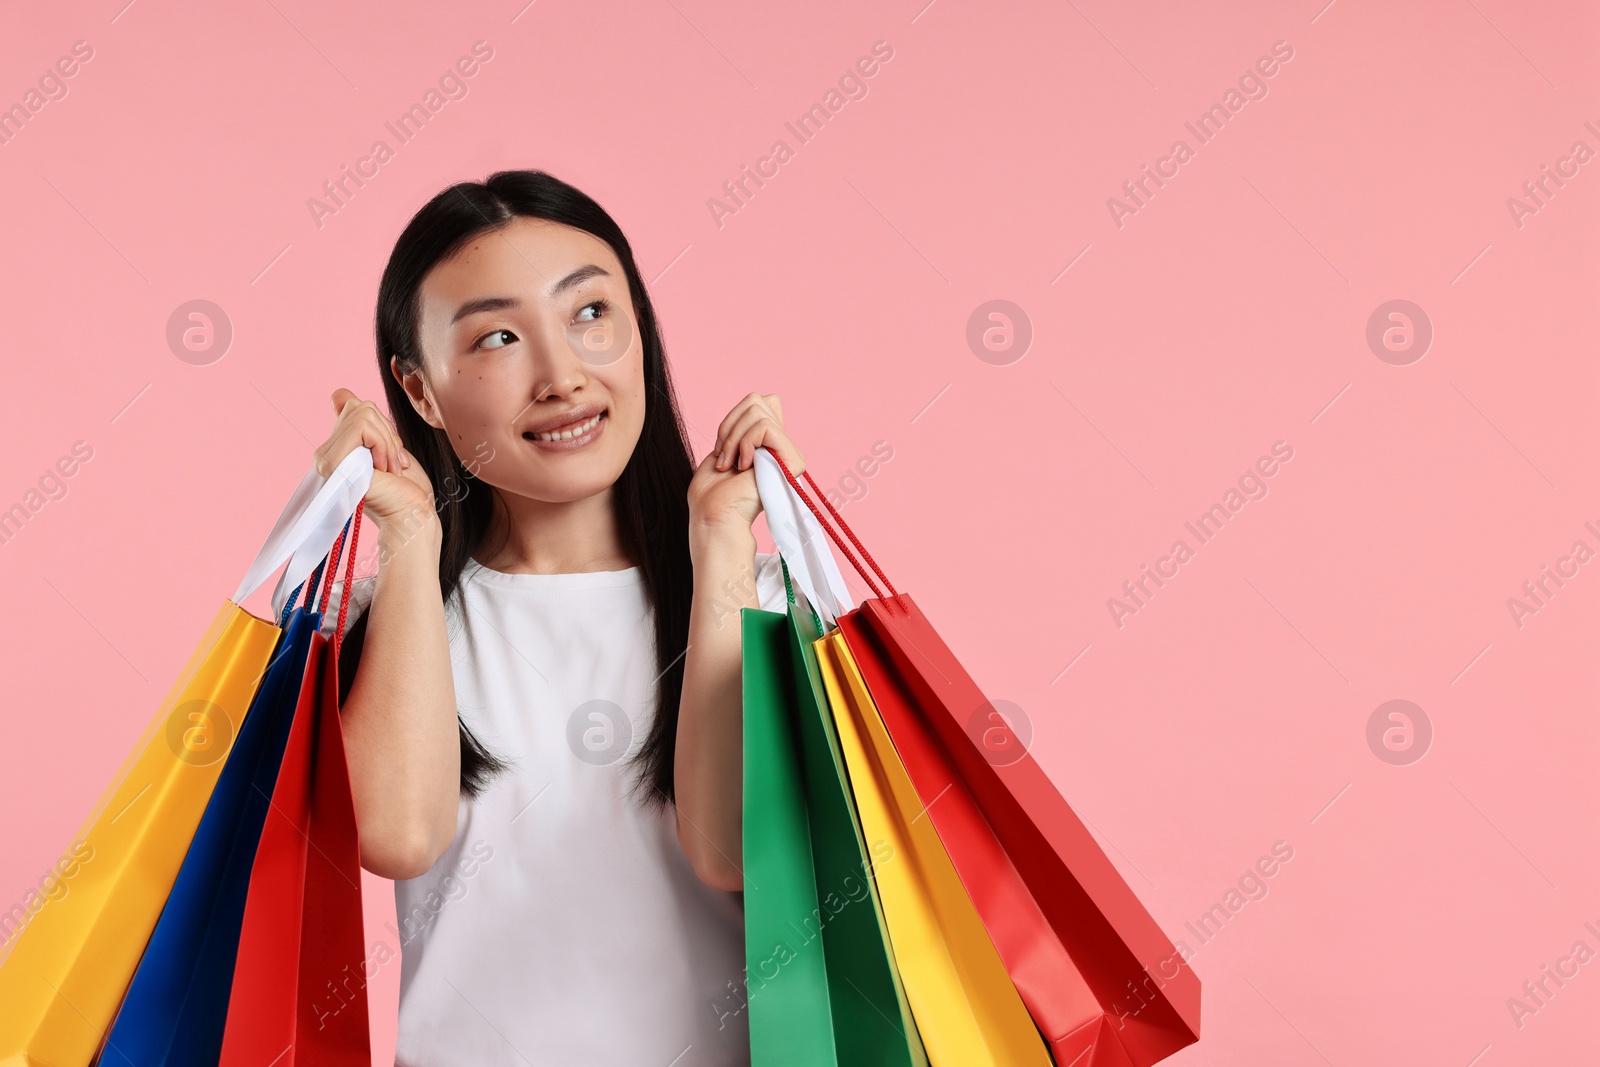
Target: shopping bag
178, 1000
1054, 991
177, 1004
786, 978
962, 1000
870, 1008
1100, 978
965, 1004
1116, 975
299, 982
870, 1016
63, 975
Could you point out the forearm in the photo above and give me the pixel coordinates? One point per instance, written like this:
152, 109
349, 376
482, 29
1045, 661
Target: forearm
708, 768
400, 728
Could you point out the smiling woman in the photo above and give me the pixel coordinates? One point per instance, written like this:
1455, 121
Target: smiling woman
539, 664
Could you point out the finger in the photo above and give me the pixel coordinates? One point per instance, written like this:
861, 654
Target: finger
397, 447
381, 415
377, 423
343, 442
751, 410
732, 441
759, 429
757, 435
404, 453
724, 429
415, 472
374, 438
341, 398
719, 443
768, 405
769, 434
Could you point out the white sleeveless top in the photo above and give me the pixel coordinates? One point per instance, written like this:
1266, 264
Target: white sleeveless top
564, 924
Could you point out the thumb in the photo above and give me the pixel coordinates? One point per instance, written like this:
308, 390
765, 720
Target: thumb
341, 397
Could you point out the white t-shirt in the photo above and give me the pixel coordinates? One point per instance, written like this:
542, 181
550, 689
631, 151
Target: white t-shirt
564, 924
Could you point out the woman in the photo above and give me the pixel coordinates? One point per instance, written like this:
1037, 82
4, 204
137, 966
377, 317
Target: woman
542, 708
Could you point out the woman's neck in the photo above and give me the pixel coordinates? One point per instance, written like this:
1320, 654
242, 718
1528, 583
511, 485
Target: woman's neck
569, 537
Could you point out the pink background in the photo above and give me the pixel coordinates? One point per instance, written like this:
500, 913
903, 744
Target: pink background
1227, 314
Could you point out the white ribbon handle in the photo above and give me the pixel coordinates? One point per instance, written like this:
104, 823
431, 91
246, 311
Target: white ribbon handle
801, 541
305, 531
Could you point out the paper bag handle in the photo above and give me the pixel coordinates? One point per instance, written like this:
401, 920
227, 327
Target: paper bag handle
310, 521
790, 491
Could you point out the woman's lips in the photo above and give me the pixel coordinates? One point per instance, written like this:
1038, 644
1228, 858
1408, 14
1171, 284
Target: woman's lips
571, 444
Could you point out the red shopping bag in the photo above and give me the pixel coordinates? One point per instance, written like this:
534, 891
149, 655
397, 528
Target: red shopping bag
299, 987
1103, 982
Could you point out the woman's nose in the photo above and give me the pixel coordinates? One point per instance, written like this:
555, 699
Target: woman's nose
556, 370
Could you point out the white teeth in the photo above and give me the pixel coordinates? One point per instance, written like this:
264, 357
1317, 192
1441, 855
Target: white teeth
576, 431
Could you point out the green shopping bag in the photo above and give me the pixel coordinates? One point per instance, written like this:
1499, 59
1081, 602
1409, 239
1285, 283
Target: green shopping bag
822, 985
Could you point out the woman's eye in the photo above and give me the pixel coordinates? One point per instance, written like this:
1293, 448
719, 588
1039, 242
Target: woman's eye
497, 339
602, 305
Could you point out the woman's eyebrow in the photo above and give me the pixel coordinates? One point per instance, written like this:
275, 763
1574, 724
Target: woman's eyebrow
500, 303
583, 273
485, 303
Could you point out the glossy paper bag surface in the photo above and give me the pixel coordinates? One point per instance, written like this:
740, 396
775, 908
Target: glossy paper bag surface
1146, 999
333, 1025
266, 973
1051, 985
299, 987
63, 977
786, 980
965, 1004
176, 1006
872, 1019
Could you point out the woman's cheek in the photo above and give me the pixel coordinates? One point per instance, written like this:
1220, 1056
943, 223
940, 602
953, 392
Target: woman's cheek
479, 423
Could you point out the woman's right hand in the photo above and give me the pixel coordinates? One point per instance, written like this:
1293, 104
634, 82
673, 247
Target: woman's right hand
401, 732
400, 487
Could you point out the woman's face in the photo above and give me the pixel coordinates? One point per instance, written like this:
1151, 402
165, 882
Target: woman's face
527, 334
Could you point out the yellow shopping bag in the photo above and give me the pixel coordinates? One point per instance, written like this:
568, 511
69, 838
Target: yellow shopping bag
964, 1003
63, 974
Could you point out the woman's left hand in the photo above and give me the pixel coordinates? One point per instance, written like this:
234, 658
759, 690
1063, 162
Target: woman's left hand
723, 490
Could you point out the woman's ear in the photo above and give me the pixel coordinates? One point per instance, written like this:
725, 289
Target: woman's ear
416, 387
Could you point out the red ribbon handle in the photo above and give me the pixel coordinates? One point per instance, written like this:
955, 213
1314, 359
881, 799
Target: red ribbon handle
349, 577
332, 564
836, 518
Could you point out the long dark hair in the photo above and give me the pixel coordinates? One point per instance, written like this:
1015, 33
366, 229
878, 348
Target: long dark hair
650, 497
